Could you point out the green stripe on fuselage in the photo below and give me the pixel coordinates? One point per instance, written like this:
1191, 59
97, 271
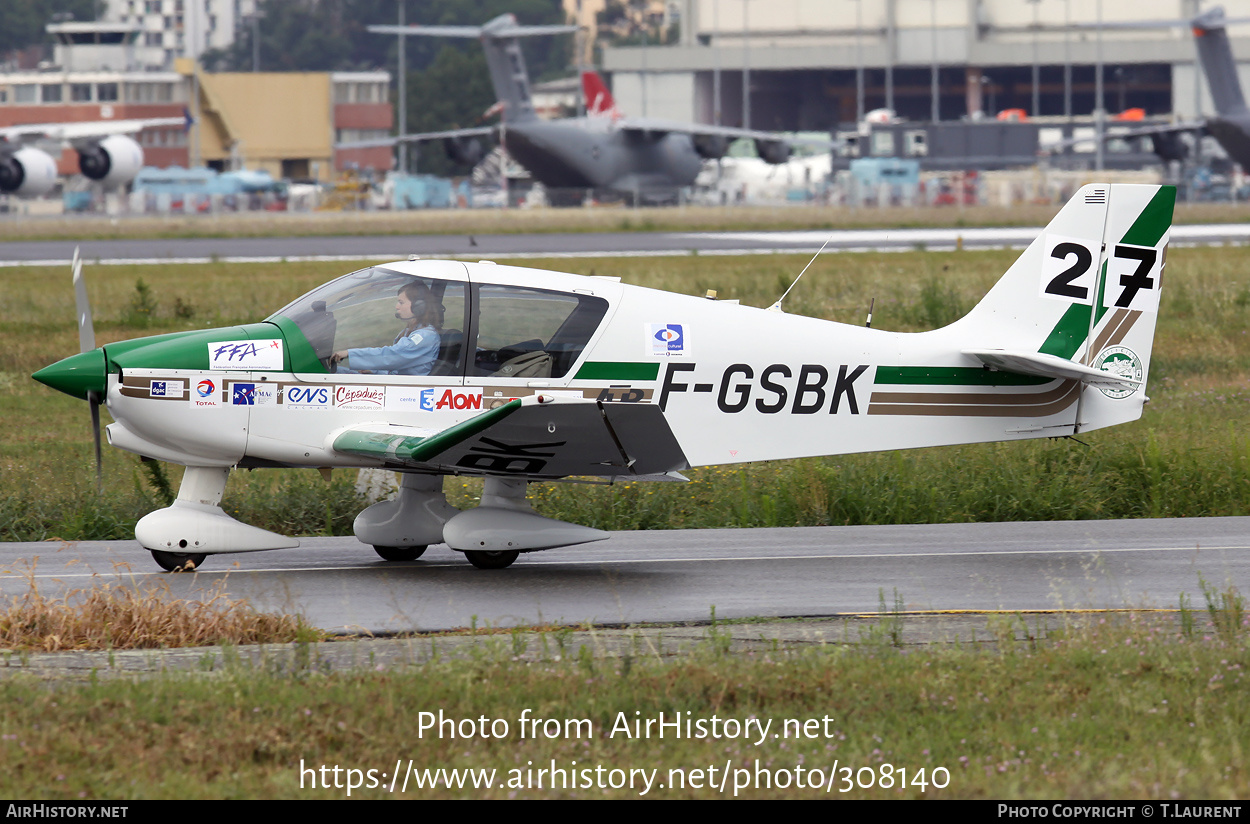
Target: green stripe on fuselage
953, 376
616, 371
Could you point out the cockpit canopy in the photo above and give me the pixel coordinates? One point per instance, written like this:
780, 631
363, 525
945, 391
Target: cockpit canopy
511, 331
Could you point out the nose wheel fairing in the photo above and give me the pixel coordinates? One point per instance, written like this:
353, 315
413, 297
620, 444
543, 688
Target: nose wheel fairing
196, 524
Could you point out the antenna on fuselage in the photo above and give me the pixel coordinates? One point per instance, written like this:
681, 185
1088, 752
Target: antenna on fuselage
776, 307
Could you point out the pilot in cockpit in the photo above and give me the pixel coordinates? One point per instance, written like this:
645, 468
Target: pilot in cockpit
416, 347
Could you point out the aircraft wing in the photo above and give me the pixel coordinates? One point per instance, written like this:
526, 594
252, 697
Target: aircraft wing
644, 125
69, 132
540, 435
1114, 131
477, 131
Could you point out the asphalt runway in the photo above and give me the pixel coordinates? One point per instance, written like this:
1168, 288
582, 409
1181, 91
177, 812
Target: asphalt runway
340, 585
606, 244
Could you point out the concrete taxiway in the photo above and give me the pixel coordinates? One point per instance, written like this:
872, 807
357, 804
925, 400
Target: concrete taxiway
340, 585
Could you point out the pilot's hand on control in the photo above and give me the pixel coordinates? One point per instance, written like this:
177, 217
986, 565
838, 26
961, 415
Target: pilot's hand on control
338, 356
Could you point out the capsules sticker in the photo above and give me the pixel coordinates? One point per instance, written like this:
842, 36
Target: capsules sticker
360, 397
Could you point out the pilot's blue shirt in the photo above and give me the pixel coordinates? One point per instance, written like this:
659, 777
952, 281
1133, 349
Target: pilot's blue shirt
411, 354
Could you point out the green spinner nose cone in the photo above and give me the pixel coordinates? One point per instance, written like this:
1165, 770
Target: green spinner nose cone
77, 375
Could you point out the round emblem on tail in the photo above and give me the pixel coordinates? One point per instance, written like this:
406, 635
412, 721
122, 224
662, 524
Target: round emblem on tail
1119, 361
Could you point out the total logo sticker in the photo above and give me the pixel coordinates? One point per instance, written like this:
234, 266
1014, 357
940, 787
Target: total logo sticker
206, 395
1120, 361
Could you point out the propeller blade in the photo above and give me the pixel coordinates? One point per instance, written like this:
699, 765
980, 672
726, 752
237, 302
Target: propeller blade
86, 331
93, 400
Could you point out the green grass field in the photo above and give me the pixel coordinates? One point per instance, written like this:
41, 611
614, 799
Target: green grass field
1104, 708
598, 219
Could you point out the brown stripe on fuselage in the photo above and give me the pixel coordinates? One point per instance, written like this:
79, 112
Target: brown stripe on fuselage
985, 398
984, 406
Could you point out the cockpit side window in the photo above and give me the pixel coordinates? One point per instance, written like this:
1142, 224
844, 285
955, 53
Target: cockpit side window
532, 332
386, 323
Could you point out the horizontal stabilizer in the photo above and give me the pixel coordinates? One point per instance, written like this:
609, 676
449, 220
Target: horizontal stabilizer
1049, 366
536, 436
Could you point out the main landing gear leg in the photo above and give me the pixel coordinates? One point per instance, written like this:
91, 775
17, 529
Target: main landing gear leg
180, 536
400, 529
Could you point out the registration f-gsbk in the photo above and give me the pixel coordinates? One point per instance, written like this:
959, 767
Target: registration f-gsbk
542, 376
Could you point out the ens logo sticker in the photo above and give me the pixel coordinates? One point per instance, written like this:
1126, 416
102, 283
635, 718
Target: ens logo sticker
307, 397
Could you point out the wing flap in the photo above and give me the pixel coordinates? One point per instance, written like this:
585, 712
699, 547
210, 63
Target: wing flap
536, 436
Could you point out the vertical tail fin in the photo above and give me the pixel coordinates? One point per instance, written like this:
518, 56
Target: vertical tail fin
1211, 39
599, 101
1080, 304
499, 37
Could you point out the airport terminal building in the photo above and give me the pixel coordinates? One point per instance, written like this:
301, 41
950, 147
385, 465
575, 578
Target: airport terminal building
822, 64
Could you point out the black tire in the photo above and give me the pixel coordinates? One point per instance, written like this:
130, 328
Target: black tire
176, 561
399, 553
491, 560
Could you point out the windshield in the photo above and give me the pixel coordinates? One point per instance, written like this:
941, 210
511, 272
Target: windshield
378, 321
371, 311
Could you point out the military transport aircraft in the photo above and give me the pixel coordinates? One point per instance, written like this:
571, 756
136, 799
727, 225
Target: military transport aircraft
518, 376
638, 157
107, 153
1230, 125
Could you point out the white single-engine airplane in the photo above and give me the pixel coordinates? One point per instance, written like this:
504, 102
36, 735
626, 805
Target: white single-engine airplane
518, 375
